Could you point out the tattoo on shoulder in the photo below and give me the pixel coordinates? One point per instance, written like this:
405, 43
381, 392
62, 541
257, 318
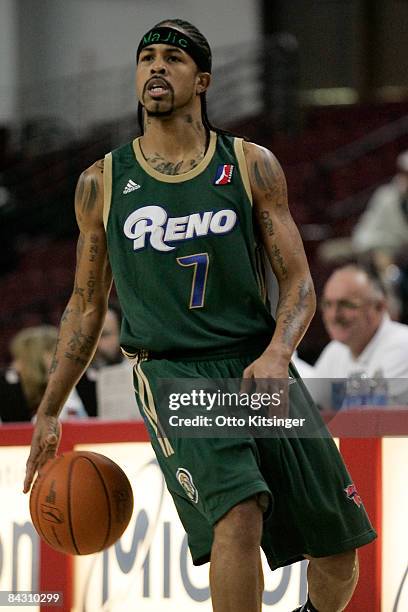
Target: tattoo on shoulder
80, 246
100, 164
268, 177
87, 193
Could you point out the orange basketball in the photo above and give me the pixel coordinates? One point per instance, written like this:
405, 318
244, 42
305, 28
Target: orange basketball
81, 502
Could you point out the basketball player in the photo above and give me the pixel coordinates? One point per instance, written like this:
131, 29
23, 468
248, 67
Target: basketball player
175, 216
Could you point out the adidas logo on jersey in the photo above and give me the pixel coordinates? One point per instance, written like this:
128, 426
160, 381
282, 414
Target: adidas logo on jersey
154, 222
131, 186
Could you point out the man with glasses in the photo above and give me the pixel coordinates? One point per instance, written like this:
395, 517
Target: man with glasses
364, 340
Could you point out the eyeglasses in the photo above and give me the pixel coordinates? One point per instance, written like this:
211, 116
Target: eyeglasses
347, 305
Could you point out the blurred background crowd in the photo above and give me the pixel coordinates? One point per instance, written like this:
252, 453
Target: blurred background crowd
322, 83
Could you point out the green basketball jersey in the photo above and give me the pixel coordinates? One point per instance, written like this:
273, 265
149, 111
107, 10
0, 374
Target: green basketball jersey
183, 253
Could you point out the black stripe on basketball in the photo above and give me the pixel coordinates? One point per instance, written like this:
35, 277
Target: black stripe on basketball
108, 503
69, 497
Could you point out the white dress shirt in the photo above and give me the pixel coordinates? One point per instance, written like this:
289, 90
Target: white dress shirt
386, 355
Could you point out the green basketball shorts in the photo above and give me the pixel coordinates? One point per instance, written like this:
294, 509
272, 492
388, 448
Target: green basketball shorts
310, 509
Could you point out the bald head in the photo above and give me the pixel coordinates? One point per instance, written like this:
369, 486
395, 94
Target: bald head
353, 307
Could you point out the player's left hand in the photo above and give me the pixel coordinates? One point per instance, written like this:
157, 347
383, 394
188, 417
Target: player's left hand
269, 373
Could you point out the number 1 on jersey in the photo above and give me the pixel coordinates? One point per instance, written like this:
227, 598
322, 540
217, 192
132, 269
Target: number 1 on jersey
200, 262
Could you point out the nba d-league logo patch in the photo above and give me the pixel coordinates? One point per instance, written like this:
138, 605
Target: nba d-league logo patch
186, 480
223, 175
352, 494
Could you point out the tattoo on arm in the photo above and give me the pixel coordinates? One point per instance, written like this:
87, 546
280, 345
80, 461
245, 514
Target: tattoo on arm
278, 259
100, 165
86, 193
90, 286
66, 313
294, 324
79, 291
93, 249
269, 178
54, 362
80, 247
50, 410
267, 222
80, 347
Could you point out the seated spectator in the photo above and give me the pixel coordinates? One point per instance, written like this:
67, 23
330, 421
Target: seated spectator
23, 384
383, 227
108, 353
381, 235
364, 341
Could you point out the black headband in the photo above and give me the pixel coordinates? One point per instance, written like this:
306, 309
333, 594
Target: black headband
170, 36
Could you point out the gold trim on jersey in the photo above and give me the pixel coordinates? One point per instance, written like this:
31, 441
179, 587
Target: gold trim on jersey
107, 188
243, 168
176, 178
149, 408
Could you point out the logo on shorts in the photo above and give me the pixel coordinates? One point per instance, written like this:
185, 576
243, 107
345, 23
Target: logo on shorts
352, 493
186, 480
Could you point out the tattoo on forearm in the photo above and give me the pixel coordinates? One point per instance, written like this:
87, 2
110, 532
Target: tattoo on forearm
79, 290
54, 362
81, 343
76, 359
80, 348
49, 410
66, 313
293, 315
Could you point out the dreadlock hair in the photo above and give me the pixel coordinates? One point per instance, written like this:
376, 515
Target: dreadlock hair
203, 43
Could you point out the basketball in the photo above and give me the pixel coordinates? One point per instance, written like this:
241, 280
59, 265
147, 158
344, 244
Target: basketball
81, 502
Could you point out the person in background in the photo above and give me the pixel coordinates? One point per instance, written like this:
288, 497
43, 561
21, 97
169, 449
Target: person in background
23, 384
364, 340
383, 227
381, 235
108, 353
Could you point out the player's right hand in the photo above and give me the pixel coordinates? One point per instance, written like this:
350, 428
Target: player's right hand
44, 444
